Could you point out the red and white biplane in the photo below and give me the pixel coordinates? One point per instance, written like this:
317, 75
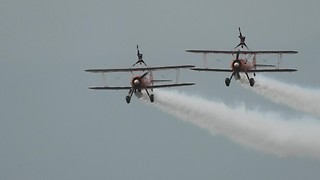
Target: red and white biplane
243, 64
145, 81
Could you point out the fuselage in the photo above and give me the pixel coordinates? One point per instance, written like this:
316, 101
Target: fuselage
139, 83
241, 65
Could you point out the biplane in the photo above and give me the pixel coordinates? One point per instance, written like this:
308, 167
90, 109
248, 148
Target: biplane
145, 81
244, 64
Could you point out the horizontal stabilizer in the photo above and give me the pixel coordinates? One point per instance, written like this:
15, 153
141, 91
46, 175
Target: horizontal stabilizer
264, 65
170, 85
161, 80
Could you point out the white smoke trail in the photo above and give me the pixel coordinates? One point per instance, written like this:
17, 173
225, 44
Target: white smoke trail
301, 99
267, 131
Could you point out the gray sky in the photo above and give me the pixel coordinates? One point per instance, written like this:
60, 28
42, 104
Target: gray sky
53, 127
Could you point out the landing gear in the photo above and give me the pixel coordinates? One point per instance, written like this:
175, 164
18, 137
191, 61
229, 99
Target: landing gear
251, 81
151, 96
128, 98
227, 81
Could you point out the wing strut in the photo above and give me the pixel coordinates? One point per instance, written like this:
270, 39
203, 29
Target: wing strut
177, 75
205, 61
104, 78
279, 60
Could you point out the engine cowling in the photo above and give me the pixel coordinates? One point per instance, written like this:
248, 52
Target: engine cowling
236, 65
136, 82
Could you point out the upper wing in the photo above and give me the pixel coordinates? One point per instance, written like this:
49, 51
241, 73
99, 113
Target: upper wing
168, 67
272, 70
253, 70
241, 52
212, 51
209, 69
110, 87
169, 85
268, 52
138, 69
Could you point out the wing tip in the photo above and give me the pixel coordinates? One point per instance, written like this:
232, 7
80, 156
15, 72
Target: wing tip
93, 87
91, 70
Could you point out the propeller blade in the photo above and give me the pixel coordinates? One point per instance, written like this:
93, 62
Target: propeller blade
144, 74
237, 58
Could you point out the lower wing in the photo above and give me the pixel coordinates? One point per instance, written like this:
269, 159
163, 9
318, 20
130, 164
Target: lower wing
110, 87
252, 70
272, 70
209, 69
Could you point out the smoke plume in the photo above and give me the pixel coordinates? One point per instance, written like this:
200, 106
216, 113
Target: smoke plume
299, 98
265, 131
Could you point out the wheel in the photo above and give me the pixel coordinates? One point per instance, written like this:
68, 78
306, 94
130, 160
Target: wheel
151, 97
251, 81
128, 99
227, 81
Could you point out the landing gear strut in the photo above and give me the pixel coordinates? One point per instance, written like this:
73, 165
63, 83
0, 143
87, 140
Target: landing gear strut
251, 80
128, 97
227, 80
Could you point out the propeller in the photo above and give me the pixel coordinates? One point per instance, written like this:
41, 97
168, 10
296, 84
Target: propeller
238, 53
237, 63
136, 82
144, 74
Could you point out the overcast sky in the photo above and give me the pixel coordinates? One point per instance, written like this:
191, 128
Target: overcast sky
53, 127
